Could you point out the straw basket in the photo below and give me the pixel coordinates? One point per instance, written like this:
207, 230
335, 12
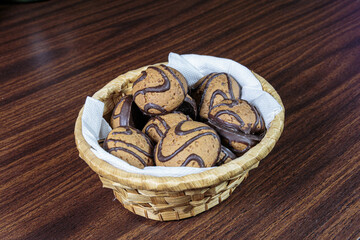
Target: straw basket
173, 198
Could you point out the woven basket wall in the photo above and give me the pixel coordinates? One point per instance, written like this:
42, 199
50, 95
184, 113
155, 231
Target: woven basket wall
173, 198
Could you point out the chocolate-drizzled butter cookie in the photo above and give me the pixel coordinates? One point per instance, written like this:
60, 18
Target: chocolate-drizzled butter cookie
238, 115
212, 89
188, 107
126, 113
159, 90
225, 156
189, 143
157, 126
131, 145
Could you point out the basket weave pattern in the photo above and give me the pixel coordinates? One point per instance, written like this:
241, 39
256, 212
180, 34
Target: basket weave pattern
173, 198
164, 206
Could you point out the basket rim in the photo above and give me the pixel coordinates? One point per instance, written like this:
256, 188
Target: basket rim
193, 181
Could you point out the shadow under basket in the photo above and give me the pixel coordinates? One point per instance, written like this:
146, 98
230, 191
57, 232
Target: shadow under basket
173, 198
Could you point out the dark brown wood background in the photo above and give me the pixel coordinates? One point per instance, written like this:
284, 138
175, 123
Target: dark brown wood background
55, 53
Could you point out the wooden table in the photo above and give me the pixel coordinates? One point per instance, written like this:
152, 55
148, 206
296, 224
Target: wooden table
55, 53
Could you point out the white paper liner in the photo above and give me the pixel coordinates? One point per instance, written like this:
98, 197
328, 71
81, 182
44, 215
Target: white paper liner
193, 67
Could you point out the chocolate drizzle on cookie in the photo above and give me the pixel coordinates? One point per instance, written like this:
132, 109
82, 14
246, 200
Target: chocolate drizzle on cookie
161, 88
193, 157
127, 113
225, 94
149, 106
225, 155
178, 131
257, 126
128, 147
216, 119
207, 80
124, 108
259, 120
176, 77
142, 77
156, 127
126, 132
128, 151
214, 94
230, 138
165, 86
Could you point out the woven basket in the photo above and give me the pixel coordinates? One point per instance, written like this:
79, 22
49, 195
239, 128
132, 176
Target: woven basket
173, 198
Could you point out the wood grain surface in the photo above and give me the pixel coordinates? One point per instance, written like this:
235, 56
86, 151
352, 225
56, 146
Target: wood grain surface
55, 53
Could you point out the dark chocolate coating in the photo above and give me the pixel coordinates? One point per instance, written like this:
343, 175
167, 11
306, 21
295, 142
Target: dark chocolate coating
229, 137
188, 107
128, 115
225, 156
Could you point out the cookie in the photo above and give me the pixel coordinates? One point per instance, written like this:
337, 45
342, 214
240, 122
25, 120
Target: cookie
188, 107
238, 115
212, 89
159, 125
225, 156
190, 144
126, 113
131, 145
237, 142
159, 90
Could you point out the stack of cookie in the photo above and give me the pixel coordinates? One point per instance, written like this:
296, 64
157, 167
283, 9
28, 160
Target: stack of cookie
204, 126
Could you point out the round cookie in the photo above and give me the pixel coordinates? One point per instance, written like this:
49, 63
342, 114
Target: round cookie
157, 126
188, 107
190, 144
238, 115
159, 90
237, 142
212, 89
126, 113
225, 156
131, 145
